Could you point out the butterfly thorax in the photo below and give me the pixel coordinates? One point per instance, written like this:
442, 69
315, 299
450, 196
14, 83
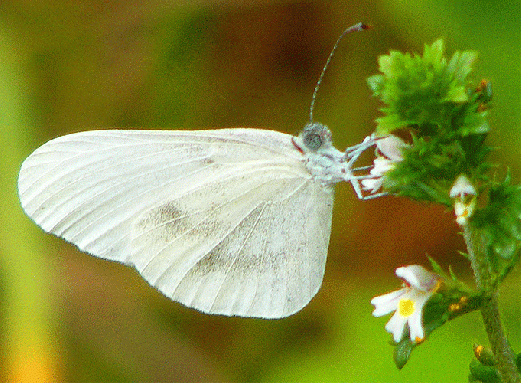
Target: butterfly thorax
324, 162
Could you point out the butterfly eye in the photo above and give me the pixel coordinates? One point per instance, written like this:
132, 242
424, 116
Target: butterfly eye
313, 141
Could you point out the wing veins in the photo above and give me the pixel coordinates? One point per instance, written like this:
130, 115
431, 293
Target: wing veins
186, 193
193, 212
213, 246
125, 182
263, 260
81, 155
195, 225
111, 166
240, 249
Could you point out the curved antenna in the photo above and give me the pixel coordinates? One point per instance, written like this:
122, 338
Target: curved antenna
355, 28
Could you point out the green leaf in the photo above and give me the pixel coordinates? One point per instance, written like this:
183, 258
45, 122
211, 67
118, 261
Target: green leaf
446, 117
402, 352
435, 266
484, 355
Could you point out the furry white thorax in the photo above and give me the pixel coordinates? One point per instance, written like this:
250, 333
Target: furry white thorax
327, 164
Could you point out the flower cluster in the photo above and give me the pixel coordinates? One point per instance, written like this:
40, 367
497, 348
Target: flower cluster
433, 100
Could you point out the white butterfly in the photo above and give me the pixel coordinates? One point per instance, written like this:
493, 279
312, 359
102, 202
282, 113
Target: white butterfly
231, 221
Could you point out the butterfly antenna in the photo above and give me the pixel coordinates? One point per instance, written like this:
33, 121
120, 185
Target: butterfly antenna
355, 28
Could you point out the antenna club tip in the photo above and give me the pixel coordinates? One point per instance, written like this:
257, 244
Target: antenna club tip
365, 26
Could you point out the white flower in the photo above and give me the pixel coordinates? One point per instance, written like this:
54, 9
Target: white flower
464, 195
463, 211
389, 152
407, 302
462, 187
391, 147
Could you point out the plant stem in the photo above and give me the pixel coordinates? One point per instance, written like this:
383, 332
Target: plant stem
505, 358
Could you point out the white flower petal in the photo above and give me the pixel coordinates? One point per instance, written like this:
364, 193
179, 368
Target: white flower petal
372, 184
408, 302
381, 166
463, 210
462, 220
459, 208
416, 332
418, 277
387, 303
389, 152
462, 187
391, 147
396, 326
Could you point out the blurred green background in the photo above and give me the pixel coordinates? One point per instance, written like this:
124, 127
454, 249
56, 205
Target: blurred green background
67, 66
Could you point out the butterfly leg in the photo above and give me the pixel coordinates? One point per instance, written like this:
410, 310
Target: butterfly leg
353, 153
355, 182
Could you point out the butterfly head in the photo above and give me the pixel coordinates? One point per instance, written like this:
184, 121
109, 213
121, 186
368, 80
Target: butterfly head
314, 137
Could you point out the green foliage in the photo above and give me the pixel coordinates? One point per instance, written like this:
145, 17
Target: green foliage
482, 373
432, 164
500, 225
432, 100
402, 352
483, 369
426, 91
484, 355
446, 118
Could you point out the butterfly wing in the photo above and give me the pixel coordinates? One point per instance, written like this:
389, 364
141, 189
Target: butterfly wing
226, 221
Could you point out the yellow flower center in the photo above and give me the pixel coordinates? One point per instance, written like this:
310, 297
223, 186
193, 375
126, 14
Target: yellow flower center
406, 307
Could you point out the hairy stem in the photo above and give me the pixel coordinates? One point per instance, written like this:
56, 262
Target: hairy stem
505, 358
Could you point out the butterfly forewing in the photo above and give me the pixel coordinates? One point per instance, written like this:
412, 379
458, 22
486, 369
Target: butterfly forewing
227, 221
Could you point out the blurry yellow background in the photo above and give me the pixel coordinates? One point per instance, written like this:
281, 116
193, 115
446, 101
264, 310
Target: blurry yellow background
67, 66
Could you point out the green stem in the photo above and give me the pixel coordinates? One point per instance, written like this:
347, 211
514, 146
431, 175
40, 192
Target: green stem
505, 358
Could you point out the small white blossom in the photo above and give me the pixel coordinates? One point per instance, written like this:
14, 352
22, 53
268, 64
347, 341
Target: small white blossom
408, 302
389, 152
462, 187
380, 167
464, 211
391, 147
464, 195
